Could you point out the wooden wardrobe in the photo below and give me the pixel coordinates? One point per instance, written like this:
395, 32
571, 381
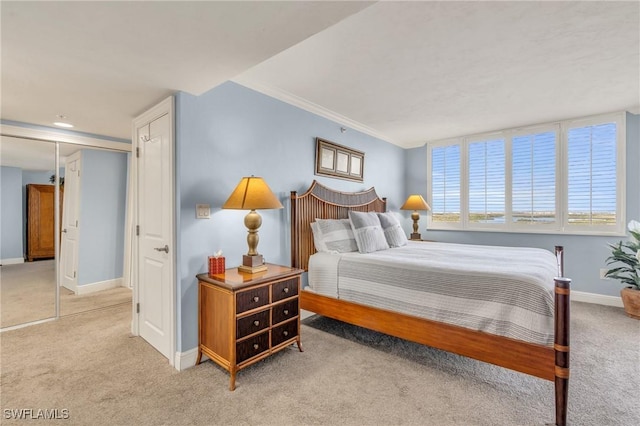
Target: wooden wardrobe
41, 221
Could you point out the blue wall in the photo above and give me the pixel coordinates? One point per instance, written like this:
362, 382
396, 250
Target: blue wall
231, 132
103, 189
11, 244
584, 255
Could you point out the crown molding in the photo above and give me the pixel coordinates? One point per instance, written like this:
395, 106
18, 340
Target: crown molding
306, 105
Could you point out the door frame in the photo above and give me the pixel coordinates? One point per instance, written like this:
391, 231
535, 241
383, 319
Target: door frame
167, 106
51, 135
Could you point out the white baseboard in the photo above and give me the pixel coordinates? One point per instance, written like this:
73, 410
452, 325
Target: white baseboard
99, 286
598, 299
187, 359
13, 261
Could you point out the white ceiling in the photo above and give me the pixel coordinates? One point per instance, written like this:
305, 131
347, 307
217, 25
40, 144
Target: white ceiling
103, 63
409, 72
29, 154
424, 71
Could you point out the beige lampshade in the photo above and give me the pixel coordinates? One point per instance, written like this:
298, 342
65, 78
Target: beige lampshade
252, 193
415, 202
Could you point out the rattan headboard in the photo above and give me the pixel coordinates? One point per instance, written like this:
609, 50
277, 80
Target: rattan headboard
324, 203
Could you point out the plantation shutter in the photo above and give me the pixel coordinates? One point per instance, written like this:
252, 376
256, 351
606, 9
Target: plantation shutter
487, 181
533, 178
592, 175
445, 184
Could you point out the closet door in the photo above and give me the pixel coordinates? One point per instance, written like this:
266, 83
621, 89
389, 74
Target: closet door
155, 242
27, 289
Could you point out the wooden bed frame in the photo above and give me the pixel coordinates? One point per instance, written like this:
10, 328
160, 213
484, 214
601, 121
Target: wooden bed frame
547, 362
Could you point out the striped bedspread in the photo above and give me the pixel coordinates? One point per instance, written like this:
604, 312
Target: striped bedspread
505, 291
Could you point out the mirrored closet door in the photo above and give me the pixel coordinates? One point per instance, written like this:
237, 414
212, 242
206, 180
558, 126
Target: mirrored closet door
92, 242
87, 272
27, 249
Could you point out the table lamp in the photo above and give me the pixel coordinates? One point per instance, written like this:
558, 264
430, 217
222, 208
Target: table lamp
250, 194
415, 202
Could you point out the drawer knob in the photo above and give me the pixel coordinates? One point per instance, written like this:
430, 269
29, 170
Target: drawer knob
286, 289
256, 346
286, 312
256, 323
285, 333
256, 298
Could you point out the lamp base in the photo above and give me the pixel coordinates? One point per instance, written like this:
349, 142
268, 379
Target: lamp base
252, 264
252, 269
415, 236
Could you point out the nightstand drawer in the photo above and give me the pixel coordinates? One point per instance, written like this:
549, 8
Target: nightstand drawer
252, 324
284, 332
283, 289
251, 299
284, 311
252, 347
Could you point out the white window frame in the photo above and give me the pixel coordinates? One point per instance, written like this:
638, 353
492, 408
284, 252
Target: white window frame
561, 226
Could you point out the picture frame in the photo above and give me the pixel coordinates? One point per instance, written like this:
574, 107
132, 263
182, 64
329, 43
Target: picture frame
338, 161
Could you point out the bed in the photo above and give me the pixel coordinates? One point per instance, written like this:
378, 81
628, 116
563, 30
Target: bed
537, 351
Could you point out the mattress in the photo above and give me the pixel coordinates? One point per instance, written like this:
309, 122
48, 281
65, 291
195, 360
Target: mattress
506, 291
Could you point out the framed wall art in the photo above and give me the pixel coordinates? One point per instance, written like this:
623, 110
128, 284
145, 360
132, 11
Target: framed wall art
338, 161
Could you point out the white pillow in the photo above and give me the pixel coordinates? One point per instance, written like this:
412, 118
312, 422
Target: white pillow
392, 230
317, 238
368, 232
336, 235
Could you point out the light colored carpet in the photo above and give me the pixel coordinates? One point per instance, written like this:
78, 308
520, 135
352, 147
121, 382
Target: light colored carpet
28, 292
71, 304
346, 376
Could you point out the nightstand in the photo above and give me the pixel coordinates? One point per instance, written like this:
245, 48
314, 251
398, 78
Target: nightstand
243, 318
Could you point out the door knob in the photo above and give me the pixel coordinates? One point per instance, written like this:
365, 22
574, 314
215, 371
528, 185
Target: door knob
164, 249
64, 230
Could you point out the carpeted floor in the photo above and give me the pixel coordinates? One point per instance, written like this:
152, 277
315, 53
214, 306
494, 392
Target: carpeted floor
346, 376
28, 293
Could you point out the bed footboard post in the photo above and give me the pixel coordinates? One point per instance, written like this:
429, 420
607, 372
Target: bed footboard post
561, 347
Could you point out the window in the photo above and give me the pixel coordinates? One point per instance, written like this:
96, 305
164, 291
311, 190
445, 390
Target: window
486, 182
563, 177
533, 178
445, 184
592, 178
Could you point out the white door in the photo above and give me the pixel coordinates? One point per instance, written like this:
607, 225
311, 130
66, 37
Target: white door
155, 240
70, 224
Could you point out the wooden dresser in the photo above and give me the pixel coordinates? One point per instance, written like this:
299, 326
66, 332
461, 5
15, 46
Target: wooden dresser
41, 235
243, 318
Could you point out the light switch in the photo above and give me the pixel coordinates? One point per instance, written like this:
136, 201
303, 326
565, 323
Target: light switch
203, 211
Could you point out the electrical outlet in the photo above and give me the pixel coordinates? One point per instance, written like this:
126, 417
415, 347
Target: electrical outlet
603, 272
203, 211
